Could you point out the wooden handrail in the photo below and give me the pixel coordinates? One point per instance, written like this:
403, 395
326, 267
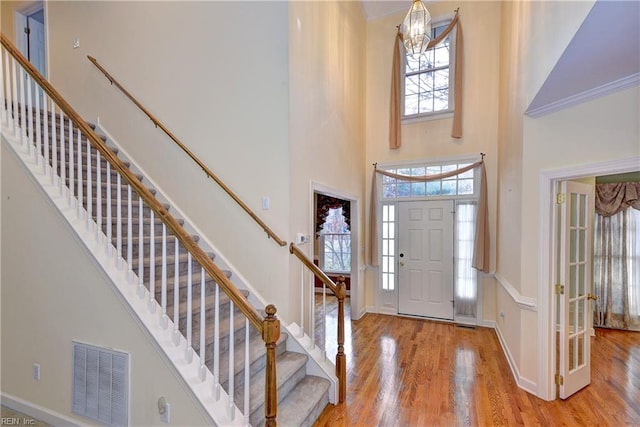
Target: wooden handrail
193, 157
293, 249
196, 251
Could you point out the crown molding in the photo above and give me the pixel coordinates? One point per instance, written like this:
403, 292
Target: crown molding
570, 101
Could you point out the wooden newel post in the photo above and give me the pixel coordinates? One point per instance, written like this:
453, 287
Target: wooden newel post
341, 359
270, 335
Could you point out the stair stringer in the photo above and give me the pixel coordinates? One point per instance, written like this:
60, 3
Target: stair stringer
317, 364
127, 289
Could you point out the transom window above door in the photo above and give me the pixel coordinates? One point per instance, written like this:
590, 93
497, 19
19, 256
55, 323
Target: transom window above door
458, 185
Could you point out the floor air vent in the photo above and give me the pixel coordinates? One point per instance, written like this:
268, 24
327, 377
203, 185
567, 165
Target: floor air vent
101, 384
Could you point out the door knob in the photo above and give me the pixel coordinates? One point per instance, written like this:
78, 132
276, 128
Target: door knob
401, 264
592, 297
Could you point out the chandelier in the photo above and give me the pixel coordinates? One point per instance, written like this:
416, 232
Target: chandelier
416, 28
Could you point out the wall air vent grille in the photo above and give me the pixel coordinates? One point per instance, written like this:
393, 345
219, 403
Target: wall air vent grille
101, 384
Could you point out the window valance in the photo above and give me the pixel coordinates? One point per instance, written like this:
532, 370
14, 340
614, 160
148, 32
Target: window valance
324, 203
616, 197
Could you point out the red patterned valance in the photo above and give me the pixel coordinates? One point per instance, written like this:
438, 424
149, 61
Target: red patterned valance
324, 203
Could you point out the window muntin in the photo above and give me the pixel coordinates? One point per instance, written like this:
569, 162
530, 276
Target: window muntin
459, 185
388, 265
335, 243
427, 78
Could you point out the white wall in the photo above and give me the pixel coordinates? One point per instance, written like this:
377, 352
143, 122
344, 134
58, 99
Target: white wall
327, 111
216, 74
599, 130
53, 293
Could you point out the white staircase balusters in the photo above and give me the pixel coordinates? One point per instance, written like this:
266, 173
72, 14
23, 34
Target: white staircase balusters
38, 135
108, 217
63, 163
189, 350
89, 191
14, 93
203, 310
164, 320
216, 344
45, 114
23, 108
247, 375
231, 352
99, 199
29, 111
141, 289
71, 175
176, 295
152, 263
54, 138
119, 259
129, 231
80, 191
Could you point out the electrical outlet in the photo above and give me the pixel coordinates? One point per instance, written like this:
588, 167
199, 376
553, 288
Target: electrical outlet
36, 372
266, 202
76, 42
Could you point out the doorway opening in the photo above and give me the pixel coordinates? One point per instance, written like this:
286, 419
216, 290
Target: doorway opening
549, 229
31, 35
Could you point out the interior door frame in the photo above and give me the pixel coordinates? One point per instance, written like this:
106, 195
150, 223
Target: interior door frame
356, 297
546, 268
20, 21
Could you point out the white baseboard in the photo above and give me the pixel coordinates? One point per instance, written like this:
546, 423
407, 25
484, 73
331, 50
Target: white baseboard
524, 383
36, 411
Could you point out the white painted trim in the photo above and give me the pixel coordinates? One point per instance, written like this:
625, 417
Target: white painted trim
525, 303
356, 268
37, 412
546, 303
487, 324
523, 383
570, 101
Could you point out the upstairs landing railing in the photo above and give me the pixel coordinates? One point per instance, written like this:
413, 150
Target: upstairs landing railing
92, 177
337, 289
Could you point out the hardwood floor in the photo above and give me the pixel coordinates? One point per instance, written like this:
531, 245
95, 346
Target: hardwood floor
410, 372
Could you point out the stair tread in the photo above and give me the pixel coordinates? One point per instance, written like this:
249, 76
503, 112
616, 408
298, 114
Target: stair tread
286, 366
297, 408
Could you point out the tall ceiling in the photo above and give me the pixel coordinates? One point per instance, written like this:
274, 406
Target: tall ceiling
374, 9
603, 56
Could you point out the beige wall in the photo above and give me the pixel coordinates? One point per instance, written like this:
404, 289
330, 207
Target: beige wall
221, 89
599, 130
327, 112
431, 139
53, 293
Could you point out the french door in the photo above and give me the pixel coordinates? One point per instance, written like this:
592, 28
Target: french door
574, 286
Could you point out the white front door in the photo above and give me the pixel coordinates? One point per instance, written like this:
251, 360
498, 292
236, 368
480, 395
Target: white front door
425, 258
576, 218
